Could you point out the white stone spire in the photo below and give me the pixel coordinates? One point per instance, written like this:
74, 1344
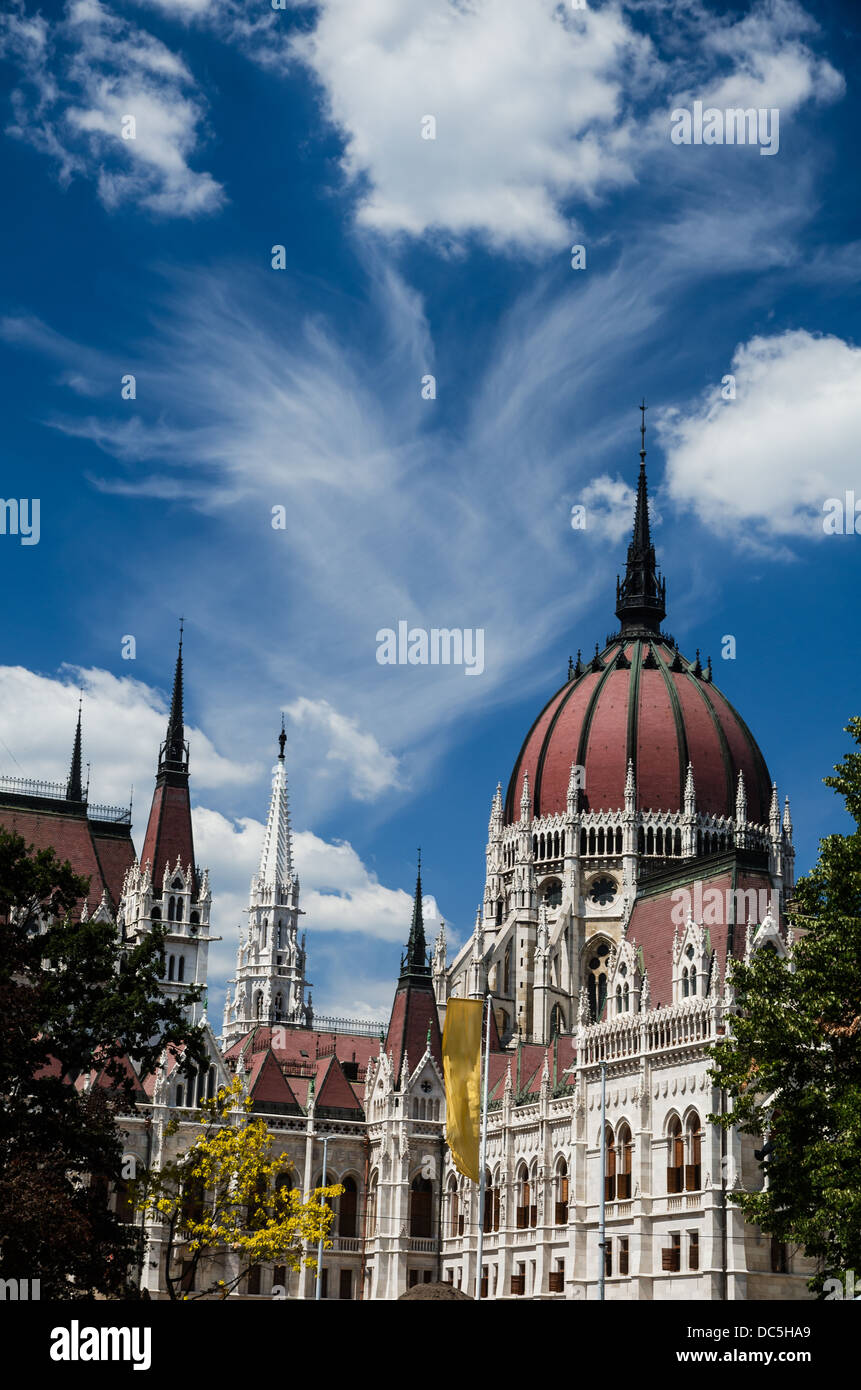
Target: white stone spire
270, 984
276, 857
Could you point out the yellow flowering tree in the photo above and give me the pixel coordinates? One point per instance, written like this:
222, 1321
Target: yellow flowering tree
227, 1194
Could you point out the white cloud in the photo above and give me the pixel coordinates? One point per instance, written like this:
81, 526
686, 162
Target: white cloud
123, 724
763, 465
80, 78
369, 769
528, 101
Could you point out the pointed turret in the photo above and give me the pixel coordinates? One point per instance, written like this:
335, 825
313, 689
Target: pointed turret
414, 964
690, 792
641, 595
168, 834
75, 784
414, 1009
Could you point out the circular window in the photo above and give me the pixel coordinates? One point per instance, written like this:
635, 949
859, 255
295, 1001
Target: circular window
553, 893
603, 891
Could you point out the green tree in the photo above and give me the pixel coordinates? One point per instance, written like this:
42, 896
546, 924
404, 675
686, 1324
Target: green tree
227, 1195
75, 1004
793, 1064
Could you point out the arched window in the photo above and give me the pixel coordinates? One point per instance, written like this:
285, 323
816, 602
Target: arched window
524, 1198
675, 1155
693, 1167
263, 933
210, 1083
625, 1155
582, 841
592, 840
686, 984
190, 1089
677, 843
179, 909
557, 1021
641, 840
596, 984
347, 1207
180, 969
489, 1195
421, 1208
556, 844
171, 967
506, 971
619, 840
155, 915
499, 912
180, 1091
455, 1220
650, 841
171, 909
610, 1168
690, 973
194, 919
659, 841
278, 1006
601, 839
561, 1185
534, 846
371, 1209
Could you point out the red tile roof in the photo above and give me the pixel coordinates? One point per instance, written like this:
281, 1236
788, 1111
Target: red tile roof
91, 853
413, 1012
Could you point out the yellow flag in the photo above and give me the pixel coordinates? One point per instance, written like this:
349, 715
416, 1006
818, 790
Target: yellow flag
461, 1062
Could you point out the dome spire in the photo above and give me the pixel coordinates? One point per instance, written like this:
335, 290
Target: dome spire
414, 964
641, 595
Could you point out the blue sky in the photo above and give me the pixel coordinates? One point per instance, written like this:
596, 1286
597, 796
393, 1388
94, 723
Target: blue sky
301, 388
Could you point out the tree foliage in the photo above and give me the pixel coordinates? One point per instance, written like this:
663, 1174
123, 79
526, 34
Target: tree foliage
226, 1195
75, 1003
793, 1064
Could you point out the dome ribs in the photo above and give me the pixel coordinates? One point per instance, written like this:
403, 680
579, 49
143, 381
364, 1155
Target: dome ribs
726, 755
545, 742
583, 742
633, 707
681, 732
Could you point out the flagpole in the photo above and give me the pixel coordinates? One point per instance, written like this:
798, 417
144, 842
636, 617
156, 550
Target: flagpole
483, 1154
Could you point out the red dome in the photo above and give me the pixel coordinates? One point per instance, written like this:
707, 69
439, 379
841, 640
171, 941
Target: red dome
641, 700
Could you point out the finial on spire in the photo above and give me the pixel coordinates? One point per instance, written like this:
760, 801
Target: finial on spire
282, 739
643, 409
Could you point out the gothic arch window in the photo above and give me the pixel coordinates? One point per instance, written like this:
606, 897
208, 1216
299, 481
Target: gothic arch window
347, 1207
524, 1198
556, 844
618, 840
557, 1021
171, 910
592, 840
279, 1002
560, 1183
689, 974
641, 840
601, 840
506, 971
455, 1219
675, 1155
693, 1144
371, 1208
677, 843
210, 1083
179, 909
171, 967
192, 1080
610, 1167
263, 933
582, 841
421, 1208
180, 969
625, 1155
179, 1094
650, 841
194, 919
534, 846
155, 915
596, 984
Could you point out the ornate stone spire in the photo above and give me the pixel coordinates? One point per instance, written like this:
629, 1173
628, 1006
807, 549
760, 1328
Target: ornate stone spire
276, 858
641, 595
75, 784
787, 820
690, 792
174, 750
524, 798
